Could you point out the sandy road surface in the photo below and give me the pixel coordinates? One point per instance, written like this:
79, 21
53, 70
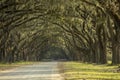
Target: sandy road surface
39, 71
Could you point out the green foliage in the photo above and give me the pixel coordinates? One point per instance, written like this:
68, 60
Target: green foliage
84, 29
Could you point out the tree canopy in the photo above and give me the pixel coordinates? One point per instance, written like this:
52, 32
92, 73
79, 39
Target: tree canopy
86, 30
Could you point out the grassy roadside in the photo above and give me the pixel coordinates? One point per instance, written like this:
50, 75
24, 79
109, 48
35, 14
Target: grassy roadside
7, 66
82, 71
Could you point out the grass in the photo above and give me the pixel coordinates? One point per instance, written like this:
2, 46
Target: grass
7, 66
84, 71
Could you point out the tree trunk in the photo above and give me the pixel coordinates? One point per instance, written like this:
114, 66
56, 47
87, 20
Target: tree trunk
116, 50
116, 42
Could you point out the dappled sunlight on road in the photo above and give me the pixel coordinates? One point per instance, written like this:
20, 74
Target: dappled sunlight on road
33, 76
40, 71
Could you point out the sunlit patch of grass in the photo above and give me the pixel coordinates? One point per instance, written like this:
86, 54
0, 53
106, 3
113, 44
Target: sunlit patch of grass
6, 66
16, 63
82, 71
23, 62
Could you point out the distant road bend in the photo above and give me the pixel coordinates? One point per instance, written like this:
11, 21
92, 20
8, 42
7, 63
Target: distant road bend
40, 71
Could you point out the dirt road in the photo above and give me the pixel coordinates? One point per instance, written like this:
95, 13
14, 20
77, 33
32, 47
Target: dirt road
39, 71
